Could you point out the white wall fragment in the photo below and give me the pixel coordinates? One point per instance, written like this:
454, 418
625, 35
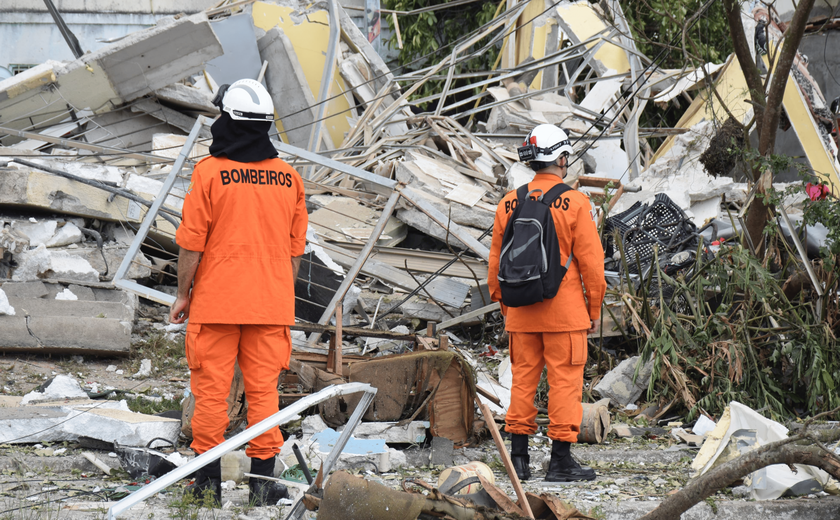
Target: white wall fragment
5, 306
67, 295
68, 234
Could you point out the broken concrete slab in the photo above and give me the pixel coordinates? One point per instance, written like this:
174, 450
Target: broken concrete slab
188, 98
40, 263
391, 432
134, 66
101, 325
110, 422
619, 384
287, 86
12, 241
24, 187
344, 219
169, 116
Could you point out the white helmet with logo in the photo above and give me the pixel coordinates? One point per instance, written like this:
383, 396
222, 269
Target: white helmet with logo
246, 100
545, 143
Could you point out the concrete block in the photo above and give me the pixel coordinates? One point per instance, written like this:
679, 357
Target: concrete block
187, 97
27, 290
287, 86
108, 422
618, 383
81, 335
66, 266
105, 268
38, 232
86, 293
420, 221
67, 234
14, 334
411, 433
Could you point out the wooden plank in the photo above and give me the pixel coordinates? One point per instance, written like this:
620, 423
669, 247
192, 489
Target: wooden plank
352, 331
505, 456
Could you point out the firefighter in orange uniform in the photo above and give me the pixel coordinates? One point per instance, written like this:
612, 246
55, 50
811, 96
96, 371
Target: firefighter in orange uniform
242, 238
552, 332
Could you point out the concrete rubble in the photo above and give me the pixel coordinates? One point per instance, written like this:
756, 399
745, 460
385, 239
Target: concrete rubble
401, 203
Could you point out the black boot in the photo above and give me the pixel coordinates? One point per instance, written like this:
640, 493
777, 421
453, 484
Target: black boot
264, 492
208, 478
563, 467
519, 455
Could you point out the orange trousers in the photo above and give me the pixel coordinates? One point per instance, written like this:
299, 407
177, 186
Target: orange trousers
564, 353
212, 350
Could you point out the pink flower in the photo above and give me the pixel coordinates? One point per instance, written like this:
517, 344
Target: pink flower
817, 191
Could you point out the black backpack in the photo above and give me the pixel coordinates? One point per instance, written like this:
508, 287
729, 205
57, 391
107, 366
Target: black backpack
530, 267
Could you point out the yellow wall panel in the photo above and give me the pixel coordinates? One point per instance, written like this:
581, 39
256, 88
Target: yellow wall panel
310, 40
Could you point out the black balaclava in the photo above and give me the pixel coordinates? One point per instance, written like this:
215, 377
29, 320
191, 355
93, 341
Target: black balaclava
241, 141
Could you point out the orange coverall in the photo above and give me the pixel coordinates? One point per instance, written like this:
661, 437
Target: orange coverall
552, 333
248, 220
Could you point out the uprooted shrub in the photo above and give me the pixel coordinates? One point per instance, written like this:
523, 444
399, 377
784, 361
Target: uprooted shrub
736, 337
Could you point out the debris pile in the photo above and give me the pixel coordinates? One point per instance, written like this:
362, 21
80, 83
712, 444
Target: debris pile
392, 295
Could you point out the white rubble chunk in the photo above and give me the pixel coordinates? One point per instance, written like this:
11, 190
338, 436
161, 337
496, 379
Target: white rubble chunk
517, 175
92, 171
66, 294
68, 234
62, 387
5, 307
145, 368
70, 267
383, 345
31, 263
38, 232
411, 433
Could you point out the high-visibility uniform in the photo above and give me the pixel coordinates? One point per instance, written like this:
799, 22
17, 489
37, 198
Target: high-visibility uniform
248, 220
552, 333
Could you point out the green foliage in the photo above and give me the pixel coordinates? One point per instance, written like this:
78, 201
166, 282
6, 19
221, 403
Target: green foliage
426, 33
658, 22
736, 337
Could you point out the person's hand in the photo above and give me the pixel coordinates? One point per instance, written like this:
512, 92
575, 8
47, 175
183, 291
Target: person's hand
594, 325
180, 310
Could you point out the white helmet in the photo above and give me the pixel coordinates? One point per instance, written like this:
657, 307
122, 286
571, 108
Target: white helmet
246, 100
545, 143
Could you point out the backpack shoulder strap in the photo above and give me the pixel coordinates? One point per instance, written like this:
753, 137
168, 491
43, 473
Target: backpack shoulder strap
554, 192
522, 192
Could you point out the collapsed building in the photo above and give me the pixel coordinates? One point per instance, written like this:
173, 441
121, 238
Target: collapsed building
97, 154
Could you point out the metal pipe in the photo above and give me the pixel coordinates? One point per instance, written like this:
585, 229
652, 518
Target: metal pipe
326, 81
283, 416
149, 219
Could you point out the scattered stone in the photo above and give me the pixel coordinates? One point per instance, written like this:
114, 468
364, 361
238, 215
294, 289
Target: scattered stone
442, 452
659, 482
62, 387
145, 368
38, 232
619, 385
111, 368
120, 372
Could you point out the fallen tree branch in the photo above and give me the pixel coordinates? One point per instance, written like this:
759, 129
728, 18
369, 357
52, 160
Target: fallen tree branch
786, 451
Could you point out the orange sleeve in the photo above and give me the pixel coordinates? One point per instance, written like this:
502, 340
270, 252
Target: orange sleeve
590, 259
493, 262
197, 215
300, 220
